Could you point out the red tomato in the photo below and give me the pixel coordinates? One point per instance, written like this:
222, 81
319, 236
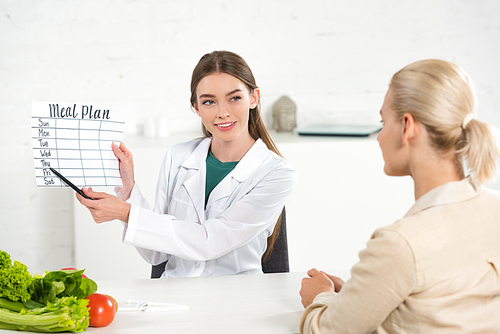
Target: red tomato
102, 310
114, 303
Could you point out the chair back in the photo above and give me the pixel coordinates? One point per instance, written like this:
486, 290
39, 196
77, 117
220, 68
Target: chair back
277, 261
158, 269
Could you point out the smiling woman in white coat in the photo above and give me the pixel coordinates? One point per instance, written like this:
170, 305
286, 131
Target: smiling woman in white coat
218, 198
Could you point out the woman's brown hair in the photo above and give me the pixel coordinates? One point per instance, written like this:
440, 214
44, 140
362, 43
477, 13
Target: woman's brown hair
234, 65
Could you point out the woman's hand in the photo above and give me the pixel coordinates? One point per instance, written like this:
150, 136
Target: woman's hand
126, 164
104, 207
316, 283
337, 281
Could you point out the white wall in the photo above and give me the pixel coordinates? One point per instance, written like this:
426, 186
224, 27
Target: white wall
335, 56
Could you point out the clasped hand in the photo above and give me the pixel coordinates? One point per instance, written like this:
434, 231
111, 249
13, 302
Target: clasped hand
316, 283
104, 207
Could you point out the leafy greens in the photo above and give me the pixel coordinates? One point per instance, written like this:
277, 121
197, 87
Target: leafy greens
51, 302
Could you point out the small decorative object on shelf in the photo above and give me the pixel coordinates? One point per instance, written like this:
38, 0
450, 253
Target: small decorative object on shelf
284, 114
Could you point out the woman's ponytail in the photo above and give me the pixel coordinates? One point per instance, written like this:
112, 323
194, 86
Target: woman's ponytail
480, 151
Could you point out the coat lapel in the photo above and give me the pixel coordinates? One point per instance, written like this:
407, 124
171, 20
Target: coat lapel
247, 165
195, 183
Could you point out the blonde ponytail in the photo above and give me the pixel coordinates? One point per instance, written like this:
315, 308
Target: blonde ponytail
441, 96
480, 150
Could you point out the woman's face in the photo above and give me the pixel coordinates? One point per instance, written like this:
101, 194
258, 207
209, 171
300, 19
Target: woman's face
223, 103
390, 140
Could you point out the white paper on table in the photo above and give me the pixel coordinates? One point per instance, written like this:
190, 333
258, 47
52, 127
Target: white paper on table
149, 306
75, 139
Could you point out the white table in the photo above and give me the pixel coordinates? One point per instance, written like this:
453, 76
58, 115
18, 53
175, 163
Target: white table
266, 303
225, 304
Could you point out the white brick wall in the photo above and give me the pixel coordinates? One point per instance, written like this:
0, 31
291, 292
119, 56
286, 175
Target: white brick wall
335, 56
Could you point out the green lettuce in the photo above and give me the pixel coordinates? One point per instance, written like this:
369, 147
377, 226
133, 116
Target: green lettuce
61, 283
15, 280
51, 302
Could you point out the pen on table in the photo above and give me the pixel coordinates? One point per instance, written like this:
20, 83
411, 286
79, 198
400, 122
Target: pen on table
69, 183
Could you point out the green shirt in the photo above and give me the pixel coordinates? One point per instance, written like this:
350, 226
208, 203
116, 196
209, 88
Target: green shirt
216, 171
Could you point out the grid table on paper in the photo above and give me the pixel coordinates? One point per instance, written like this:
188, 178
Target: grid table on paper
79, 149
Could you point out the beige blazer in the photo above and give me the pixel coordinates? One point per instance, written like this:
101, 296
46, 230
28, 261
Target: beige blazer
434, 271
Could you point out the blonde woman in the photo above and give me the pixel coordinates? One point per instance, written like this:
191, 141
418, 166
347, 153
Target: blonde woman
218, 198
436, 270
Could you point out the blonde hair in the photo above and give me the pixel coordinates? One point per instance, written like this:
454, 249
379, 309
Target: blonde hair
440, 95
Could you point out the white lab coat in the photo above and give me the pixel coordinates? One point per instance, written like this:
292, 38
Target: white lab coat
227, 237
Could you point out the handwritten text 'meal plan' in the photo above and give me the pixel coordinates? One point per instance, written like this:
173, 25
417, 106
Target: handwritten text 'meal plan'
71, 112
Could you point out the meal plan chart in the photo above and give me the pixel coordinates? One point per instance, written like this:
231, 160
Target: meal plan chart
75, 139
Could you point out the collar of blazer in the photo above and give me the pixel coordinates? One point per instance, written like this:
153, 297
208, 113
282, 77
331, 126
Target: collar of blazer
450, 192
249, 163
